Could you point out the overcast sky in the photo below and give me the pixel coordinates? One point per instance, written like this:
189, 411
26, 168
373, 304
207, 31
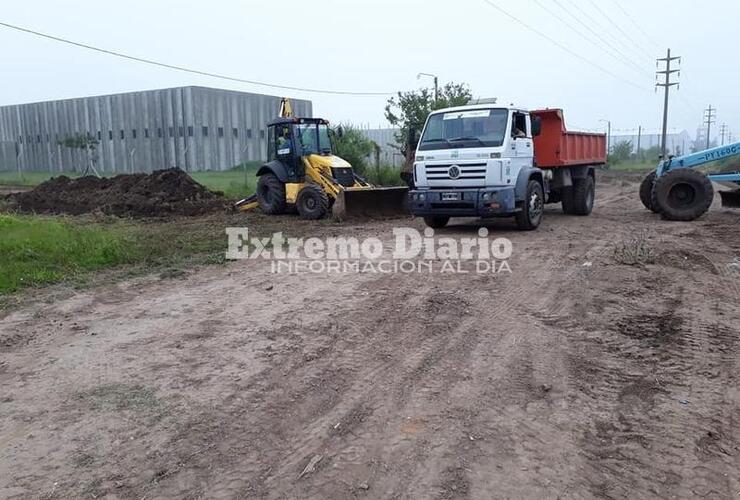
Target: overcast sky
381, 45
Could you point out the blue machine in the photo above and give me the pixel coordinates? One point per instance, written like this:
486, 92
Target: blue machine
678, 192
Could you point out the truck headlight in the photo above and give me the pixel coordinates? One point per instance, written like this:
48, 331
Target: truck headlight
422, 197
486, 196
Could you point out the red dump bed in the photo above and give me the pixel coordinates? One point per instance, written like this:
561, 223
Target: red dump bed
556, 147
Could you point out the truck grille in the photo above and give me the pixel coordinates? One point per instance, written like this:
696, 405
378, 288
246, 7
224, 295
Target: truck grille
465, 172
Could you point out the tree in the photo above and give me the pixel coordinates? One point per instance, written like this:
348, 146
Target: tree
84, 142
354, 147
621, 151
409, 111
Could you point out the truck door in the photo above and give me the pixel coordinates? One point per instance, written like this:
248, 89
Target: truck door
521, 146
521, 131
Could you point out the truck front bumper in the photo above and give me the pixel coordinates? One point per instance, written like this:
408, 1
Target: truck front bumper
476, 202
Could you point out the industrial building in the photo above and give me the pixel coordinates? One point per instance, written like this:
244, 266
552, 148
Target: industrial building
192, 128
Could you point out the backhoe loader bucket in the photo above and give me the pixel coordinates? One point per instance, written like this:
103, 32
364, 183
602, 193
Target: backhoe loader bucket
730, 198
369, 203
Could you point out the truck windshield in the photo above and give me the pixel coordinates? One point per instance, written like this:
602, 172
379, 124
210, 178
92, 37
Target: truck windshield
313, 138
465, 129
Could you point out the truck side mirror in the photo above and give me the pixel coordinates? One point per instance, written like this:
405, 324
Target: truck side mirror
339, 131
536, 126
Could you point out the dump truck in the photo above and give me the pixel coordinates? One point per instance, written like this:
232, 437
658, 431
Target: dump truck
485, 161
304, 175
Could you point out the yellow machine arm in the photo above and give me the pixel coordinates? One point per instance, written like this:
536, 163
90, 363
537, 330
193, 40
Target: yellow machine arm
286, 109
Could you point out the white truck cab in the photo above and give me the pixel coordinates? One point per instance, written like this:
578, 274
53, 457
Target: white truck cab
478, 160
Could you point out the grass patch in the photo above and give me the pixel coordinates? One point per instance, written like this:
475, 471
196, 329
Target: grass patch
634, 166
634, 251
385, 175
239, 182
34, 251
14, 178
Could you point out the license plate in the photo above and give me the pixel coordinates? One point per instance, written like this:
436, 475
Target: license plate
450, 196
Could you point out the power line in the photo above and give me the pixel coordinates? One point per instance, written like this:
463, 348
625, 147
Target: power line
625, 61
600, 27
189, 70
561, 46
632, 20
619, 28
596, 33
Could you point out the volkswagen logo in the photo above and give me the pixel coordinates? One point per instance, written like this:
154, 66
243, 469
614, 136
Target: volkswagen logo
454, 172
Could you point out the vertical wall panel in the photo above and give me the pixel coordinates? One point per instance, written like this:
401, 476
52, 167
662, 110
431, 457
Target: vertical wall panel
34, 130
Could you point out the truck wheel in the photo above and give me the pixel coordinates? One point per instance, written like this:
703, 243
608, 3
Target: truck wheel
584, 193
312, 202
531, 214
646, 191
436, 221
682, 194
271, 194
568, 200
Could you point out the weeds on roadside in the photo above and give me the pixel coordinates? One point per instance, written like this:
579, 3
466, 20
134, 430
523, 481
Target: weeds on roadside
634, 251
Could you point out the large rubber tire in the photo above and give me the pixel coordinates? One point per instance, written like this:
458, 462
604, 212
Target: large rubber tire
646, 191
584, 193
568, 200
312, 202
682, 194
271, 194
533, 208
436, 221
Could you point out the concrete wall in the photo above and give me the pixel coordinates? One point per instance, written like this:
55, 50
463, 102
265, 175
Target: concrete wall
193, 128
8, 156
385, 138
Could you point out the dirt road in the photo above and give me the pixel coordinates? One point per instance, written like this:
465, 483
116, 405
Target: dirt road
575, 376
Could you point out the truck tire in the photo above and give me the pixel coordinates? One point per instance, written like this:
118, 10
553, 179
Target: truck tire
312, 202
682, 194
271, 194
584, 193
530, 216
436, 221
646, 191
568, 200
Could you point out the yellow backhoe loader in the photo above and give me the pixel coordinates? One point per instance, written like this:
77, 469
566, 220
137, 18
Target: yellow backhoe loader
302, 172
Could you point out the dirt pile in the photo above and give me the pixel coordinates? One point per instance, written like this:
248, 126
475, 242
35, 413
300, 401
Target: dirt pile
163, 192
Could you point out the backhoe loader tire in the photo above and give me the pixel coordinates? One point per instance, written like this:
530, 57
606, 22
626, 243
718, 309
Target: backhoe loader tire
271, 194
646, 191
682, 194
312, 202
436, 221
584, 193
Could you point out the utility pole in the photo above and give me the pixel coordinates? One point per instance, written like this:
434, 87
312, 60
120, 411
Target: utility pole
666, 84
639, 140
722, 132
710, 115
